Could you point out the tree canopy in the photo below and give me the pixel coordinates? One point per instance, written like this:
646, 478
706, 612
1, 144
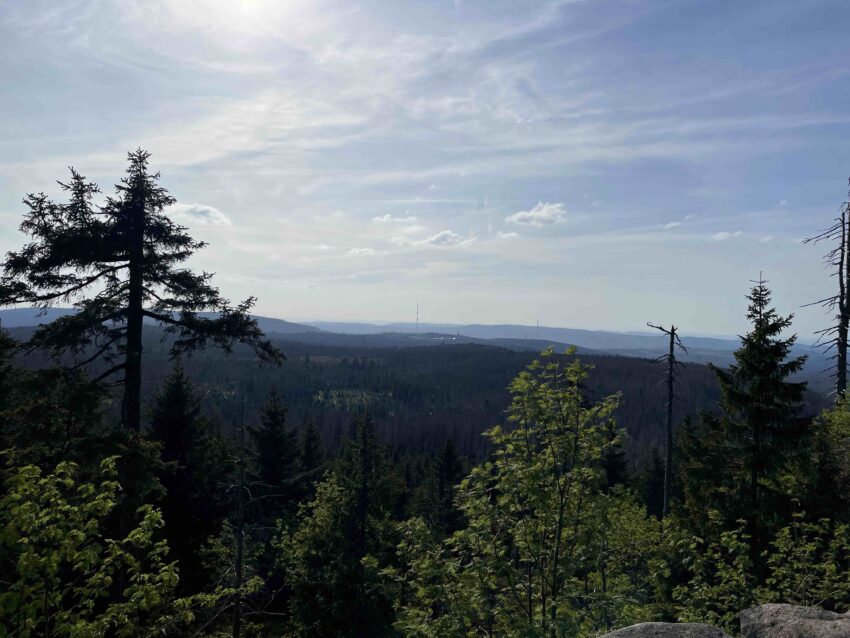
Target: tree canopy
120, 262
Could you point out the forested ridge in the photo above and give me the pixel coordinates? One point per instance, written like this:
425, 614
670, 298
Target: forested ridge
418, 397
197, 478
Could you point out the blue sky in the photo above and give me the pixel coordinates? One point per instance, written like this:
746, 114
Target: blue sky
593, 164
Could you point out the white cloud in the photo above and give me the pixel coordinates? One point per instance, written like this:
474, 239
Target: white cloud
385, 219
783, 203
502, 235
671, 225
446, 238
361, 252
443, 238
766, 239
723, 235
543, 214
199, 214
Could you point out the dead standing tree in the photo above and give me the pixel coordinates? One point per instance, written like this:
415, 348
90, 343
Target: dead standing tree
672, 363
838, 260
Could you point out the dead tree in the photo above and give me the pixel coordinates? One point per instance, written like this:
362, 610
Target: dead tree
837, 259
672, 364
239, 530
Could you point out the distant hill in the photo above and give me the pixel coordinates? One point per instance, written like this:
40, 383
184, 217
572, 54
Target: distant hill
512, 336
24, 317
639, 344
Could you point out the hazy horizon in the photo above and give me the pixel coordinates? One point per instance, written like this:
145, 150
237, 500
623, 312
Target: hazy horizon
592, 164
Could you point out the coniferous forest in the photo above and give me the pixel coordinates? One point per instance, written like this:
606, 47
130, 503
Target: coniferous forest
169, 470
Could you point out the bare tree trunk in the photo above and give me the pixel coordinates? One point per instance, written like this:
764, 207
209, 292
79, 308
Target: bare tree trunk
670, 358
843, 310
240, 530
668, 451
838, 257
132, 408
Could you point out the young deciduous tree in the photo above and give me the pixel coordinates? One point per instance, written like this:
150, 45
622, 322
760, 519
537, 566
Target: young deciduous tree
120, 263
60, 568
544, 551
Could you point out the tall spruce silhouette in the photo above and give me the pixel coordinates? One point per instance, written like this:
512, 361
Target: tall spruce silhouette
120, 263
837, 259
760, 410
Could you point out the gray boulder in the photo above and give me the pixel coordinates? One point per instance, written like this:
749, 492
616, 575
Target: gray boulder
790, 621
667, 630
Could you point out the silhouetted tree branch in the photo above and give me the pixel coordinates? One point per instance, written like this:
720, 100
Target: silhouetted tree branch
118, 263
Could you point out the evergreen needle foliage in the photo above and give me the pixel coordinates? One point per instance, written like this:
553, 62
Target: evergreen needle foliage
120, 263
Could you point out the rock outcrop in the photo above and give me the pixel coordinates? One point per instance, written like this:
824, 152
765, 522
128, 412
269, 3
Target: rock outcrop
790, 621
667, 630
764, 621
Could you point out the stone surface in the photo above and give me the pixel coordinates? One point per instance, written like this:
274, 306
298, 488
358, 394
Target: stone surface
667, 630
790, 621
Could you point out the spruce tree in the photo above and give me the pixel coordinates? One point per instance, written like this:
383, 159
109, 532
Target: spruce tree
449, 474
344, 538
650, 485
120, 263
197, 462
312, 455
276, 457
614, 458
760, 425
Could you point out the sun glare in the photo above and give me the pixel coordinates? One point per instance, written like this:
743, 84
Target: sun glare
240, 21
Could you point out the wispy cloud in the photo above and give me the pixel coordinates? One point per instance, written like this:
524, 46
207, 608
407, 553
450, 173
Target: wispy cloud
445, 238
385, 219
724, 235
276, 114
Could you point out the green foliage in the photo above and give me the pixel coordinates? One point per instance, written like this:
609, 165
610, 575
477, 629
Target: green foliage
332, 559
545, 551
809, 564
650, 484
333, 573
741, 463
275, 460
67, 578
721, 582
827, 486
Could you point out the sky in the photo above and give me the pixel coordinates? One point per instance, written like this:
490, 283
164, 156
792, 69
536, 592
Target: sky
587, 163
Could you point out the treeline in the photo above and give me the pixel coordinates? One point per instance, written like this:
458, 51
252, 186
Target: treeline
179, 515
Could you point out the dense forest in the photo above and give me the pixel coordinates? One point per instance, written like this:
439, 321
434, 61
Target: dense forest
197, 478
418, 397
